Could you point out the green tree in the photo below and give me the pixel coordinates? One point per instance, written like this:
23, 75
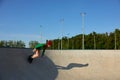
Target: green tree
20, 44
2, 43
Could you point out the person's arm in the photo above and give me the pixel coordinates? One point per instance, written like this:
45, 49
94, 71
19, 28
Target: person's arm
43, 52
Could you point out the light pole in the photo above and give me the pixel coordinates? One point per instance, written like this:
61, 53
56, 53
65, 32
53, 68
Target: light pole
68, 40
41, 34
94, 40
115, 39
53, 44
82, 14
62, 21
58, 44
72, 43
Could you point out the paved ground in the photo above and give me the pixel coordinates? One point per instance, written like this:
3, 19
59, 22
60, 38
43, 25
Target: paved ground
57, 65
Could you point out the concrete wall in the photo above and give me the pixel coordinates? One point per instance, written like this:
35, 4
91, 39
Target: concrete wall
86, 64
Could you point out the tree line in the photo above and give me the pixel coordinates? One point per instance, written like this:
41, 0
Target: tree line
17, 44
11, 43
92, 40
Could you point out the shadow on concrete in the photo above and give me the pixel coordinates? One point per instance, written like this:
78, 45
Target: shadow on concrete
14, 66
71, 65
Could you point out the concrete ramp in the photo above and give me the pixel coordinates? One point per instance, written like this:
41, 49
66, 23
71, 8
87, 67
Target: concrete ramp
86, 64
14, 66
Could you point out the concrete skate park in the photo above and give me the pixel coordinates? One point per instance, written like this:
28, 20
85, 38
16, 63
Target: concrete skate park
60, 65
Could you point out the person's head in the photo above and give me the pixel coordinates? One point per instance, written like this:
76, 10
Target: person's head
48, 43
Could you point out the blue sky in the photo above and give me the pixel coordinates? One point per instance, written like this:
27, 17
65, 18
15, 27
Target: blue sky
27, 19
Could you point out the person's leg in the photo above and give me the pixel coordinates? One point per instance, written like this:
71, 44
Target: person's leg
35, 55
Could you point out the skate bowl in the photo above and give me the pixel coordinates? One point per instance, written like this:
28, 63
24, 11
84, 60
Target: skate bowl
60, 65
14, 66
